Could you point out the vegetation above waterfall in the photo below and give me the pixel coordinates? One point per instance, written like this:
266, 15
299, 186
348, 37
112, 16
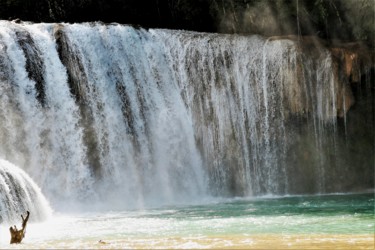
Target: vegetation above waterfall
349, 20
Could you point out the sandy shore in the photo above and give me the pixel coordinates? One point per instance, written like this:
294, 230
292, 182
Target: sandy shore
269, 241
257, 241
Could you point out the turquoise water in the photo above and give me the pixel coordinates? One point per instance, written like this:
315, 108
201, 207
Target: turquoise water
232, 223
338, 213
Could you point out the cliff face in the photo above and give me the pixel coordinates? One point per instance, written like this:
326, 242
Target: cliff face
271, 115
142, 117
354, 137
346, 152
265, 110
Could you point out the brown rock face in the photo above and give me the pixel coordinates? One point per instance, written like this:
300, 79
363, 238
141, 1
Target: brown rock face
352, 60
349, 62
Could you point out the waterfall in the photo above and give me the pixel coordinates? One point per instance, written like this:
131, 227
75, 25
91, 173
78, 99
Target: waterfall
19, 194
39, 129
127, 117
244, 92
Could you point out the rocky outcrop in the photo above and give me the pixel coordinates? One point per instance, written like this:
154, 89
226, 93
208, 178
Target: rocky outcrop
350, 61
355, 59
71, 61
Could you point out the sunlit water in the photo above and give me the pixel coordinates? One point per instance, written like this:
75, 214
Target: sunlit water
329, 221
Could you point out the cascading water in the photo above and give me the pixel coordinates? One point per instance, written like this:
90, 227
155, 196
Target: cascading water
244, 93
129, 140
130, 118
18, 194
40, 129
142, 133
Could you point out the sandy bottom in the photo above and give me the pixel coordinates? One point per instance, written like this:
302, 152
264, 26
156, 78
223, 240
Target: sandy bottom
259, 241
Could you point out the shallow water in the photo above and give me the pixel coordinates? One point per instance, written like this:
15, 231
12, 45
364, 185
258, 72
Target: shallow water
316, 222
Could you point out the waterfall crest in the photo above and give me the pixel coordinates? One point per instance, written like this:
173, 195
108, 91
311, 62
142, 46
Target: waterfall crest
129, 118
